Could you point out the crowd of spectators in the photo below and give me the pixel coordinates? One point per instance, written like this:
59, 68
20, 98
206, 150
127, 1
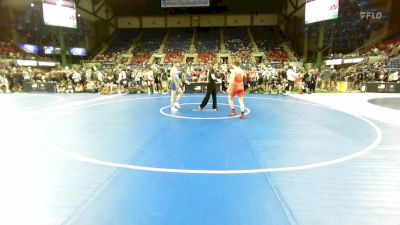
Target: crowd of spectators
72, 80
385, 49
376, 72
268, 41
277, 54
153, 78
389, 48
207, 57
12, 77
123, 40
179, 40
385, 70
238, 44
208, 40
169, 57
178, 44
108, 57
118, 76
112, 79
140, 58
207, 44
148, 45
10, 51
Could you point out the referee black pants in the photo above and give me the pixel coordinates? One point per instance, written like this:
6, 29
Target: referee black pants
211, 90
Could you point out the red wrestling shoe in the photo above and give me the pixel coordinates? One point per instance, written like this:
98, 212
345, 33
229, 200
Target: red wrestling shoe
242, 115
233, 113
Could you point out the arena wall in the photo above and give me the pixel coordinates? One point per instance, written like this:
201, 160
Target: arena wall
153, 22
178, 21
265, 19
197, 21
212, 20
128, 22
238, 20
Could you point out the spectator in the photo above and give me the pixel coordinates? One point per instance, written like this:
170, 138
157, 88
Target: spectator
291, 77
326, 79
333, 79
3, 84
313, 81
19, 80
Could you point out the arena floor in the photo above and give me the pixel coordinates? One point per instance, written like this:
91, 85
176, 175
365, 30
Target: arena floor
90, 159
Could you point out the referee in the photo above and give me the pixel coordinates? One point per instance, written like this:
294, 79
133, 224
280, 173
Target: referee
211, 89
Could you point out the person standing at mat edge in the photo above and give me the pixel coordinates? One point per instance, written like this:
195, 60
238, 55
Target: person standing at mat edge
211, 89
176, 90
236, 87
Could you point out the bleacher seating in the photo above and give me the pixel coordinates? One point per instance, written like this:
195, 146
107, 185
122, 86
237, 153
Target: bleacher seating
119, 44
169, 57
178, 43
265, 38
140, 58
236, 39
387, 45
9, 51
207, 44
206, 57
394, 63
179, 40
151, 41
208, 40
149, 44
268, 41
238, 43
277, 54
123, 40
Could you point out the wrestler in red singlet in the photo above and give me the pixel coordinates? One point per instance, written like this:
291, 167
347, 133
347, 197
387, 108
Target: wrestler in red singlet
236, 87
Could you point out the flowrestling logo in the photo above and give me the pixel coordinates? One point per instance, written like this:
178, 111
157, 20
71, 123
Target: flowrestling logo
364, 15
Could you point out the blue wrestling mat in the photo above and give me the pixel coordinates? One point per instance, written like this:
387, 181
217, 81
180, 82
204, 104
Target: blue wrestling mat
126, 159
